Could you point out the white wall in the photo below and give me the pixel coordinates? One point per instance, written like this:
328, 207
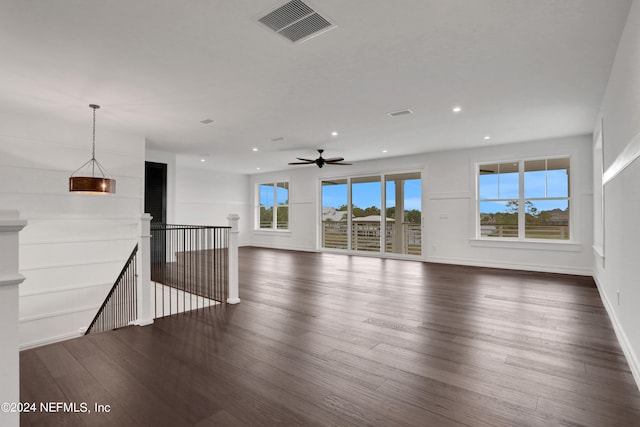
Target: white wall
303, 215
207, 197
451, 202
75, 244
618, 272
449, 206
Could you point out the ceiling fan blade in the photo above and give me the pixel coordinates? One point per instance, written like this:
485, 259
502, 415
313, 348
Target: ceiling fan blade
305, 160
340, 164
302, 163
334, 159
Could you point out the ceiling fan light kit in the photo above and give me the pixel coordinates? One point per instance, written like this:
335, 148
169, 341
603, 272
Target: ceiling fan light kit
321, 161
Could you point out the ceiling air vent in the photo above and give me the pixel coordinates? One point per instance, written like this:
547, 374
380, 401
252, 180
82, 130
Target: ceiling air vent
400, 112
296, 21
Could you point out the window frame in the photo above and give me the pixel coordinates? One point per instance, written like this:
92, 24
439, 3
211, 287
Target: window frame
275, 184
521, 201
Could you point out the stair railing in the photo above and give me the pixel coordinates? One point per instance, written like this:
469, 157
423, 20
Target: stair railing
120, 307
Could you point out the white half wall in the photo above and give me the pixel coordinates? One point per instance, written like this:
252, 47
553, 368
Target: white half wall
76, 244
448, 181
10, 279
616, 265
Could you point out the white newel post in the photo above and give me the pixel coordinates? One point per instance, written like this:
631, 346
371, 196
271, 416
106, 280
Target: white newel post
145, 312
234, 296
10, 279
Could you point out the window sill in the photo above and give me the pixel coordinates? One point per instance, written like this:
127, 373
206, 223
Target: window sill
272, 232
541, 245
598, 251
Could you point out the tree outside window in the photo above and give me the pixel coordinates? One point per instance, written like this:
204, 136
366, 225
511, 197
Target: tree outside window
524, 199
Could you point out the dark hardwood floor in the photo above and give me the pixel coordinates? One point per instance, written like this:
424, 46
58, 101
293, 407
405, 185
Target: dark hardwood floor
323, 339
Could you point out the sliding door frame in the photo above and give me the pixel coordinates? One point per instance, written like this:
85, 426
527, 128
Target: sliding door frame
383, 215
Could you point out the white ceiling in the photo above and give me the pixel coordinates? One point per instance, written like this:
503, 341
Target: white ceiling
520, 69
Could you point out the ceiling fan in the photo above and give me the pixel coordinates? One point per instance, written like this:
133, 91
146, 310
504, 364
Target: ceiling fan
320, 161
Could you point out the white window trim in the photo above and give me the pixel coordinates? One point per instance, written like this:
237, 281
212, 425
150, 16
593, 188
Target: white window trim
535, 244
256, 210
571, 245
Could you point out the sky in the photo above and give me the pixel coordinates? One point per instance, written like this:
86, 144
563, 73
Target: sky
494, 189
266, 194
537, 184
367, 194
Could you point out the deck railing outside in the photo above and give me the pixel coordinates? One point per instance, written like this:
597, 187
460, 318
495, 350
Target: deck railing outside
555, 232
365, 236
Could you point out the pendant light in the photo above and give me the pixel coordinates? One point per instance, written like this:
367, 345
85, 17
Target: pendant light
91, 176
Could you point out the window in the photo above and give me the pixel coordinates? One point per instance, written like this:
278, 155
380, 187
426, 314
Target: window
526, 199
273, 209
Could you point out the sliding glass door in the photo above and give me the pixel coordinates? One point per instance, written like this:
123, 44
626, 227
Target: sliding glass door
365, 214
335, 214
403, 223
373, 214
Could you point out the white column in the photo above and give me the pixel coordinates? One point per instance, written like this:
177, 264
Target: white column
145, 312
399, 240
234, 297
10, 279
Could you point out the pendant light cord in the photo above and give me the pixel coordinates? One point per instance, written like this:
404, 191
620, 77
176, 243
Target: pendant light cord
93, 151
93, 148
95, 164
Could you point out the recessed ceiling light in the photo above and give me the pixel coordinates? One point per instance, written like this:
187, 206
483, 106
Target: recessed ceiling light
257, 169
334, 133
202, 160
254, 149
206, 121
457, 109
486, 138
384, 151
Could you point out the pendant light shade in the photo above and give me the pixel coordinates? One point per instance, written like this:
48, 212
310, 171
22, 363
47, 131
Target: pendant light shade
91, 177
88, 184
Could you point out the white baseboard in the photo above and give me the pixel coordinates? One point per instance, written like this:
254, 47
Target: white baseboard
511, 266
454, 261
142, 322
49, 340
283, 247
93, 308
629, 354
